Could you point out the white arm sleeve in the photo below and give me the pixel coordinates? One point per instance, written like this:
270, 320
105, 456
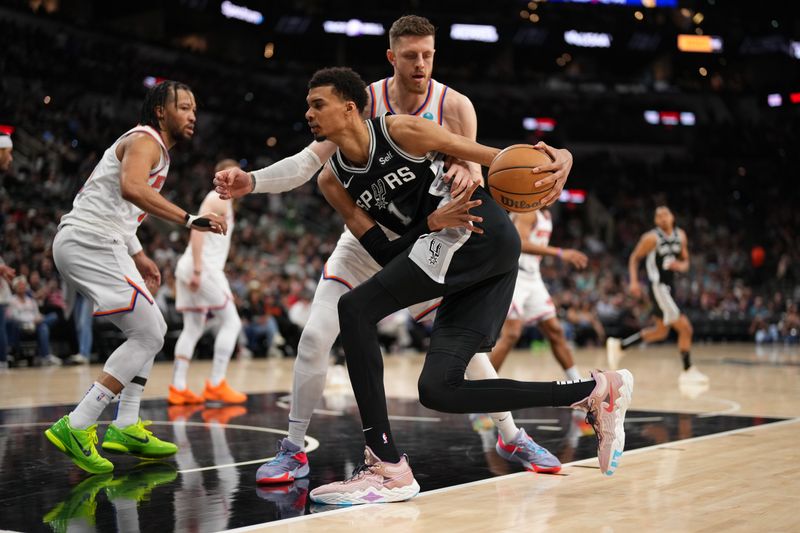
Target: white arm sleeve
288, 173
134, 246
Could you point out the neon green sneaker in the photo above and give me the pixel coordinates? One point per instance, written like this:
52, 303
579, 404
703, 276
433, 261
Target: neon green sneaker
79, 504
140, 481
137, 441
79, 445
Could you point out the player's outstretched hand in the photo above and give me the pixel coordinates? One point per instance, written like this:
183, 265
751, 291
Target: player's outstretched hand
575, 258
232, 183
210, 222
560, 167
455, 214
458, 175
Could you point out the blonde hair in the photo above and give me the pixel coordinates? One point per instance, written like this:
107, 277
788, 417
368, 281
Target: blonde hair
410, 25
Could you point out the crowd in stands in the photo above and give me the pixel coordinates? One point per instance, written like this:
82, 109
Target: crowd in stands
71, 95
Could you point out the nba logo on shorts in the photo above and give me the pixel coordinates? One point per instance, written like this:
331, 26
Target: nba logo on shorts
434, 248
385, 438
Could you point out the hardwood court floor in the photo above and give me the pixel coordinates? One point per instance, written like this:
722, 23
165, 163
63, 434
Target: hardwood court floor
745, 479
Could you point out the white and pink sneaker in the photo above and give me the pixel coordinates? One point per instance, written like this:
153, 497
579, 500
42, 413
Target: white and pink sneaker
375, 481
605, 410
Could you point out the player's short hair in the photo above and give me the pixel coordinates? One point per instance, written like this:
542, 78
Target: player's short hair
346, 83
410, 25
158, 96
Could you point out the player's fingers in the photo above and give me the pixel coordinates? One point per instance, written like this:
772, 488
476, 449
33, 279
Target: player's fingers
475, 229
549, 150
552, 178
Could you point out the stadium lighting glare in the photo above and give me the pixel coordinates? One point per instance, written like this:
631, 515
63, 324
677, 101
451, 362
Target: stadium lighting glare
245, 14
794, 47
774, 100
699, 43
588, 39
484, 33
545, 124
353, 27
651, 117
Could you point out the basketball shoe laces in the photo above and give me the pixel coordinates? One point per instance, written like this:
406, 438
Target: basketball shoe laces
360, 471
529, 444
281, 454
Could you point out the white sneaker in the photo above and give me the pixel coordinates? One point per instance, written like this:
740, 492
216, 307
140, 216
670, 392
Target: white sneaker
614, 352
50, 360
692, 375
78, 359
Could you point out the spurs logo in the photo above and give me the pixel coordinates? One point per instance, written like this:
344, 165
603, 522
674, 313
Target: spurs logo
434, 248
379, 194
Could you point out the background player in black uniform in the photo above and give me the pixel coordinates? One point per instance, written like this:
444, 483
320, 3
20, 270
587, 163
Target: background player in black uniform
381, 175
666, 251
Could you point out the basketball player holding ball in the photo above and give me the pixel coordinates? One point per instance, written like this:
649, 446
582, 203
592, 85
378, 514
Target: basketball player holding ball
380, 177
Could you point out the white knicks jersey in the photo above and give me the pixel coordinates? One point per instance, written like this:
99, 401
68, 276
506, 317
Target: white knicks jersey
539, 235
99, 205
432, 108
215, 246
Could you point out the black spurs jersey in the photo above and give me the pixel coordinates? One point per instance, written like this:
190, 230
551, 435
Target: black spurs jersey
397, 189
668, 249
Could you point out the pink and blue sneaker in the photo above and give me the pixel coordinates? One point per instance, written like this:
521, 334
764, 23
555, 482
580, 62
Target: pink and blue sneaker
289, 464
525, 451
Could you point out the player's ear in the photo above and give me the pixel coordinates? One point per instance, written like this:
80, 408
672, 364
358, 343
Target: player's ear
390, 55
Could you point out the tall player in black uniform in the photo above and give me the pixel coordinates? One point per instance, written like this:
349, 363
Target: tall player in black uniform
381, 176
666, 251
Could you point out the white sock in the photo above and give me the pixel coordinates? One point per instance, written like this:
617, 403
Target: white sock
179, 372
297, 432
90, 407
572, 373
219, 367
225, 343
128, 410
505, 425
488, 440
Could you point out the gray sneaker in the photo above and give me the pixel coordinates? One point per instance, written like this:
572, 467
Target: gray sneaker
605, 410
525, 451
289, 464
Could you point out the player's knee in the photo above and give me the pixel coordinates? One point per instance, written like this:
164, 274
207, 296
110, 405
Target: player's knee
313, 349
349, 308
512, 333
436, 385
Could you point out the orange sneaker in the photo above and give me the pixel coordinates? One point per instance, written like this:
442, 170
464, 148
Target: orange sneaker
182, 397
222, 393
223, 415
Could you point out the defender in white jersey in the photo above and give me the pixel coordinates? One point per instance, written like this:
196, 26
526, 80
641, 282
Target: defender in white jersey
666, 251
409, 91
97, 253
532, 303
201, 289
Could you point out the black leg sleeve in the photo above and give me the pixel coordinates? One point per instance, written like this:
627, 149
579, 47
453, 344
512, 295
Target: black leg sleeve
360, 310
442, 386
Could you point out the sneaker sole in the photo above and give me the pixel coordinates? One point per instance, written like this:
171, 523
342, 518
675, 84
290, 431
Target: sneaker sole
370, 495
286, 477
115, 447
623, 402
52, 437
530, 467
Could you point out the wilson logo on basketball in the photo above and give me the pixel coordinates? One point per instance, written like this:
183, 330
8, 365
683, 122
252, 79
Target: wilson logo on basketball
519, 205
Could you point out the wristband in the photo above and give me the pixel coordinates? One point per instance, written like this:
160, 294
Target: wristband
196, 221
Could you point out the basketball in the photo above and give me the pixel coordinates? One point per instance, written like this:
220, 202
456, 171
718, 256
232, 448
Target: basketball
511, 182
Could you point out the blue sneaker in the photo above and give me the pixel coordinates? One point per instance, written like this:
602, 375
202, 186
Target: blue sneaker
289, 464
526, 452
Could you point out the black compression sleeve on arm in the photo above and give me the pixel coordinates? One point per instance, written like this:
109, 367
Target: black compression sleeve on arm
382, 249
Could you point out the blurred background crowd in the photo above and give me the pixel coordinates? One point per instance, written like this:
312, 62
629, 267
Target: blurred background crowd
647, 125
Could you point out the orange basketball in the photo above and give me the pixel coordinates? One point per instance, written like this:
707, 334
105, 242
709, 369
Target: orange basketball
511, 181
